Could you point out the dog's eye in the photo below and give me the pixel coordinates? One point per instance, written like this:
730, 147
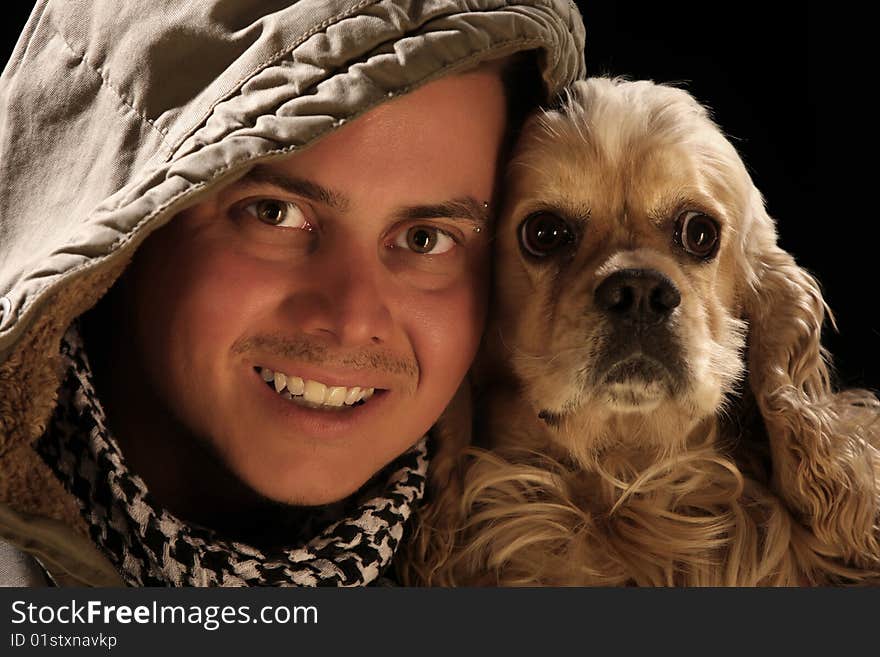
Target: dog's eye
543, 233
697, 234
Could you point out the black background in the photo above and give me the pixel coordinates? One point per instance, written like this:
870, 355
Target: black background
788, 83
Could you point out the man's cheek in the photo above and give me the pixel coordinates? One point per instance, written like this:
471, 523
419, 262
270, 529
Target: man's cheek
225, 294
450, 342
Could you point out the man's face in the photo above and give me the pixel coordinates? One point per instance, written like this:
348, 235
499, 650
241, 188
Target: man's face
353, 265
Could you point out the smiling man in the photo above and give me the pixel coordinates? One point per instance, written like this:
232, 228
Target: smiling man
244, 267
310, 322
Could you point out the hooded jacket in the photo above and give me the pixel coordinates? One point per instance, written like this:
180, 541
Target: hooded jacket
115, 116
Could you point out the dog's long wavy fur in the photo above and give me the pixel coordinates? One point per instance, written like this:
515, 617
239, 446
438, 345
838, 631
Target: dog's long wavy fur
779, 486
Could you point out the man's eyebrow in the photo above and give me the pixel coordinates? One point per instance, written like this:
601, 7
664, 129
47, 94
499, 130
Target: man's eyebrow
466, 208
263, 175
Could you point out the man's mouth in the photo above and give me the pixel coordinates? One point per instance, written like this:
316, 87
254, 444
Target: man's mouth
314, 394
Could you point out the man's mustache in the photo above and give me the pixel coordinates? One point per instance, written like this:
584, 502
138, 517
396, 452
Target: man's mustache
298, 348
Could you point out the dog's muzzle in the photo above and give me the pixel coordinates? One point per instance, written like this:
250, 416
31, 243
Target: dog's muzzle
643, 347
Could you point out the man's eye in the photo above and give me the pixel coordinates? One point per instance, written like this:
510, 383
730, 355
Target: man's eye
426, 240
279, 213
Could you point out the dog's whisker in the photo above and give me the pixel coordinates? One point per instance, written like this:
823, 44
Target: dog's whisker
549, 359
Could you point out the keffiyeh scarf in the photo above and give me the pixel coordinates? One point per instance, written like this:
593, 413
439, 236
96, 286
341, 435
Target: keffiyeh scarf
151, 547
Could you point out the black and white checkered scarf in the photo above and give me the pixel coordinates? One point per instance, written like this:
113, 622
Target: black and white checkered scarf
151, 547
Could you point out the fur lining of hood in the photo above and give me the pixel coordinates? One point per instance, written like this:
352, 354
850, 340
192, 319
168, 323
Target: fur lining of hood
29, 381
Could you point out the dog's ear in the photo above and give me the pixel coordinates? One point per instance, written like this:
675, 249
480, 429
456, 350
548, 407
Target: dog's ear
452, 435
822, 443
783, 304
785, 310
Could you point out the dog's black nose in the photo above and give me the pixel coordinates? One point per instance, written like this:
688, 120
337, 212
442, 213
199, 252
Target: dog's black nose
638, 296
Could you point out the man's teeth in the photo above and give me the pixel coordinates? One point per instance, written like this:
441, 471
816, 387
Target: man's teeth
314, 393
296, 385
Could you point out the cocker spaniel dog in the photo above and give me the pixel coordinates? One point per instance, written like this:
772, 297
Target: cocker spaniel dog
654, 405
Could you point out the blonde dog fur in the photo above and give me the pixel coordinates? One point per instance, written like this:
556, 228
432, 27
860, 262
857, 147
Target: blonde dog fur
703, 447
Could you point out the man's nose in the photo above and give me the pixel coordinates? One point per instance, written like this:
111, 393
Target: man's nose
347, 301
